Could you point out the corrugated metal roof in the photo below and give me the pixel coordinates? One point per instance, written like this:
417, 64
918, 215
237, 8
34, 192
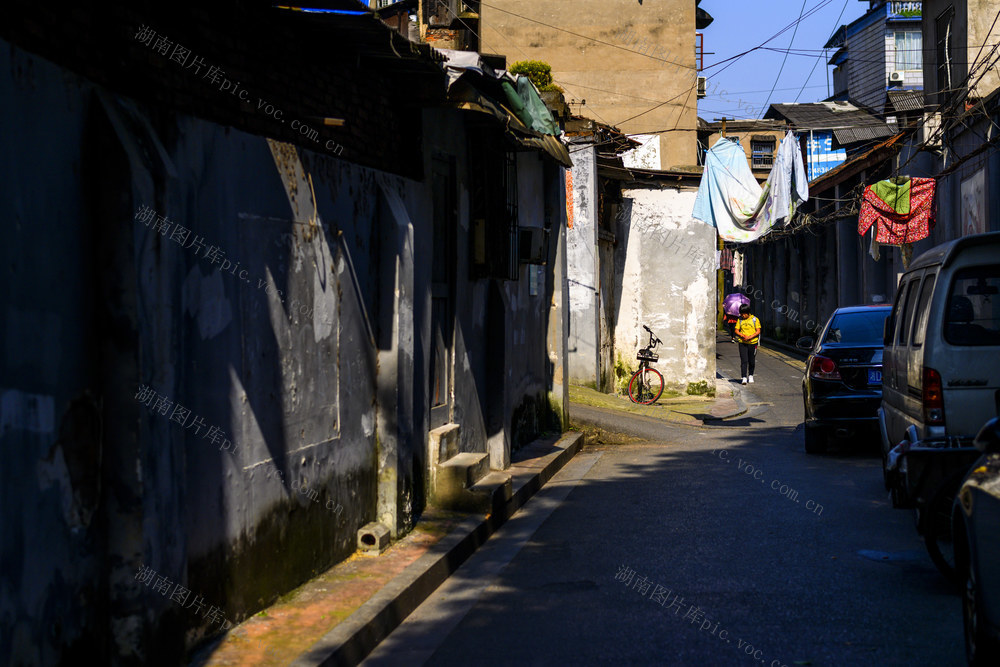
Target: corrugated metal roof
852, 135
906, 100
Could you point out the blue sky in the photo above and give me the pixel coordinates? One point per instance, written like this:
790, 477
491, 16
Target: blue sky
741, 90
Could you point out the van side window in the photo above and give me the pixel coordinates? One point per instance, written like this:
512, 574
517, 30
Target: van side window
923, 311
973, 311
906, 315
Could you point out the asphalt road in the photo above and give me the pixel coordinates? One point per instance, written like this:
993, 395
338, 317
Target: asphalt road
723, 545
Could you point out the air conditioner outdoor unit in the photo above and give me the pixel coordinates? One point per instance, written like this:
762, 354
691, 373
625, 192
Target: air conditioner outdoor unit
702, 86
894, 77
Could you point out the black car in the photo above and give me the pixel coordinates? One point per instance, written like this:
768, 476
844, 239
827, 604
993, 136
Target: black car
842, 385
976, 531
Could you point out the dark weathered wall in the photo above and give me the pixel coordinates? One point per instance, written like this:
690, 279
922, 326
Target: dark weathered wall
214, 407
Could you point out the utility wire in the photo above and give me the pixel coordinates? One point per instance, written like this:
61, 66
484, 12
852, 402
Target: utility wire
815, 64
590, 39
785, 59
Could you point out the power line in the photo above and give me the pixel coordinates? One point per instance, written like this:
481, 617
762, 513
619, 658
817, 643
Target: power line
815, 64
812, 11
783, 60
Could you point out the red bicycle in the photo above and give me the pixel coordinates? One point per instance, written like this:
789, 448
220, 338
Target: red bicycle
646, 384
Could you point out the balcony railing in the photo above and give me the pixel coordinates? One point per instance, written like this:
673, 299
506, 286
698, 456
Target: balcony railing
905, 9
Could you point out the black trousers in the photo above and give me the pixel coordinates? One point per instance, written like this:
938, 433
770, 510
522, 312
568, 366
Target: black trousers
748, 358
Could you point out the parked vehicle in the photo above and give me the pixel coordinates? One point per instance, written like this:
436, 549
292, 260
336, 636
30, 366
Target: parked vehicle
941, 357
976, 527
842, 384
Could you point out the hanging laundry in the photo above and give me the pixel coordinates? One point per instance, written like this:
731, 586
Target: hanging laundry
902, 210
730, 198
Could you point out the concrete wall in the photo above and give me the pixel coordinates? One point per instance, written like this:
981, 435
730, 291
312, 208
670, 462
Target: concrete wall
668, 282
580, 66
307, 356
970, 30
581, 253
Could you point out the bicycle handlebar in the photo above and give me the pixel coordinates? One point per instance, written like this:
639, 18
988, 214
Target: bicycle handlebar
653, 340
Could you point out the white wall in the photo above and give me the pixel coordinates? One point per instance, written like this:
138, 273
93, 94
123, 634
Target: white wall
668, 284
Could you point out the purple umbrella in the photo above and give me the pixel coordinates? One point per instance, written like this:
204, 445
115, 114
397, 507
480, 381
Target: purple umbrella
732, 302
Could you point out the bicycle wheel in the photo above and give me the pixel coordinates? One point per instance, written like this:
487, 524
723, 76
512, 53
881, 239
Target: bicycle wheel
645, 386
937, 527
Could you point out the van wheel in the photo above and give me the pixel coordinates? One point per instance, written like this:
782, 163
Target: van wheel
815, 440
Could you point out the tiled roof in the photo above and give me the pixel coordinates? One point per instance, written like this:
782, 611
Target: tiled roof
849, 123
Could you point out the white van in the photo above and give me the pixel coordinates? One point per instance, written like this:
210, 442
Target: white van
941, 360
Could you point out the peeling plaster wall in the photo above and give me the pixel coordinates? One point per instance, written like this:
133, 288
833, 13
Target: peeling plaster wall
581, 253
667, 273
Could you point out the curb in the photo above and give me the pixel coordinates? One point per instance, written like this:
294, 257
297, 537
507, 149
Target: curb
355, 637
789, 350
741, 405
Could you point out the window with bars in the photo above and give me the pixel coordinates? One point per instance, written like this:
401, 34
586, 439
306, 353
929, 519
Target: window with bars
493, 208
762, 153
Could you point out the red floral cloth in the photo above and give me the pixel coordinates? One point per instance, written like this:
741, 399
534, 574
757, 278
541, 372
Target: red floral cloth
896, 229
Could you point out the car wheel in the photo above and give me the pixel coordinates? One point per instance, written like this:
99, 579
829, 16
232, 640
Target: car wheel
937, 527
980, 648
815, 440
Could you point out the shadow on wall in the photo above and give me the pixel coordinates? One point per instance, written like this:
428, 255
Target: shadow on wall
623, 228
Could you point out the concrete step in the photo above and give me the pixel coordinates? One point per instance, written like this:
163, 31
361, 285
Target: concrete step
443, 443
487, 496
495, 490
463, 470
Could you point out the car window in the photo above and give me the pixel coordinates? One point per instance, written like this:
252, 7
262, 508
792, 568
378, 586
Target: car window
907, 313
923, 311
857, 328
973, 315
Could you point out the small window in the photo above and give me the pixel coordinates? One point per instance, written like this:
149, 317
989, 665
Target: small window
762, 153
923, 311
906, 314
973, 309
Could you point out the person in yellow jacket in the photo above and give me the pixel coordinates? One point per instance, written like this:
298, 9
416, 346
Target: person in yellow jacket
748, 334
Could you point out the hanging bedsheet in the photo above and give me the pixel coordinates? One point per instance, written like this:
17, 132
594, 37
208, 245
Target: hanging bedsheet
730, 198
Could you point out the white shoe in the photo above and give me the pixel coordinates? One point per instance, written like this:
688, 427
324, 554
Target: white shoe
744, 381
751, 379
